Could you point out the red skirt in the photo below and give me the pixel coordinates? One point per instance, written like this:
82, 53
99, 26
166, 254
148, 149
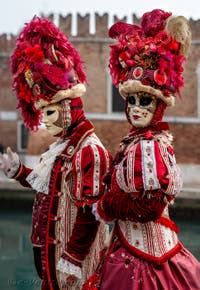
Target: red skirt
122, 271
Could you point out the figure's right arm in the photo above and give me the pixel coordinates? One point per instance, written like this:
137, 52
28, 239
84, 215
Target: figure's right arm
13, 168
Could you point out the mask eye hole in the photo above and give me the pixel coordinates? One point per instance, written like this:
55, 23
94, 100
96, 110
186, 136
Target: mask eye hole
131, 100
50, 112
145, 101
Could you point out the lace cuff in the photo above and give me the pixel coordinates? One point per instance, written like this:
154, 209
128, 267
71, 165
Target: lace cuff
95, 213
68, 268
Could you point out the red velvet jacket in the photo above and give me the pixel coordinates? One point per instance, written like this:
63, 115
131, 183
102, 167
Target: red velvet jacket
63, 225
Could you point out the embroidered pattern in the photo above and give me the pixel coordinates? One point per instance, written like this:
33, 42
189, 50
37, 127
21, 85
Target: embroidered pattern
175, 176
78, 174
96, 171
67, 212
149, 172
130, 169
131, 264
66, 114
150, 238
95, 145
127, 181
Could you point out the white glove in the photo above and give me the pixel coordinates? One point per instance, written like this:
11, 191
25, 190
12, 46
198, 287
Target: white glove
9, 162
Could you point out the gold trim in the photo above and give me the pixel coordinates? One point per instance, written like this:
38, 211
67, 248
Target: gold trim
39, 246
73, 258
54, 52
78, 144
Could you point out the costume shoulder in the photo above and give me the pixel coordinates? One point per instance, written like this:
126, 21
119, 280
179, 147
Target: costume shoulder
90, 163
153, 157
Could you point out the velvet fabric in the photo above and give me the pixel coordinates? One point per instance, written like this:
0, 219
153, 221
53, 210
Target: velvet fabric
124, 206
124, 271
62, 223
37, 260
133, 261
83, 234
77, 113
117, 204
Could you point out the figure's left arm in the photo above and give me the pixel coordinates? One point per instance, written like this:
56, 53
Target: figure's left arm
90, 164
156, 180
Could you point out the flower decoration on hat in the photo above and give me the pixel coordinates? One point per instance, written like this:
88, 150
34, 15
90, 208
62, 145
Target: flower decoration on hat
150, 56
46, 68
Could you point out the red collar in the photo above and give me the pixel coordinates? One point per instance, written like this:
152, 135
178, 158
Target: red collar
83, 130
134, 132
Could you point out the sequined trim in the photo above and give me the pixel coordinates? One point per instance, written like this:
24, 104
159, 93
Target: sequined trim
149, 172
174, 173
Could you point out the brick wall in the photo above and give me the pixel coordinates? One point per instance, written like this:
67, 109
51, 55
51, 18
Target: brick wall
94, 50
186, 138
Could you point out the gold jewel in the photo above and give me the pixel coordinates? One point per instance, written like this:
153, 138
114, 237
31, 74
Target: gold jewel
29, 78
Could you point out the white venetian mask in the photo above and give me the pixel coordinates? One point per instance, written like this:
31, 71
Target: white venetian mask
140, 109
52, 118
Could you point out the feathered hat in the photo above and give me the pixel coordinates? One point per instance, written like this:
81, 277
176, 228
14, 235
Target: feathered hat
46, 69
149, 57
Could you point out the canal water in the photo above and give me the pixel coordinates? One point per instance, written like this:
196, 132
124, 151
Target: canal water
16, 262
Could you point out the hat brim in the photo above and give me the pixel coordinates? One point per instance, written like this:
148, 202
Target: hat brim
134, 86
75, 92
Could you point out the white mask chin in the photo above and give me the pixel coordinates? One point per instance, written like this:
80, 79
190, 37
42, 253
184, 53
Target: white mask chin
140, 109
52, 118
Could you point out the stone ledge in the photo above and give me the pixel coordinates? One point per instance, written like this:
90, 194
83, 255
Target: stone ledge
189, 191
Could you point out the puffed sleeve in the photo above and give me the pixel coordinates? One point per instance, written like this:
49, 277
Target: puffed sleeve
142, 184
90, 164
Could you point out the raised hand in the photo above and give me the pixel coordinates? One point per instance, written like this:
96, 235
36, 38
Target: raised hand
9, 162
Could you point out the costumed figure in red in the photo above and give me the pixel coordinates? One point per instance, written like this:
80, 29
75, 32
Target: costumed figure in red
48, 78
146, 64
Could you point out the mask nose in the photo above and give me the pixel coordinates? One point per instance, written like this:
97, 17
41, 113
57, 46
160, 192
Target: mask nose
135, 109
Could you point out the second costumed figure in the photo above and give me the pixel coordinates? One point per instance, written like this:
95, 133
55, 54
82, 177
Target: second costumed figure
146, 64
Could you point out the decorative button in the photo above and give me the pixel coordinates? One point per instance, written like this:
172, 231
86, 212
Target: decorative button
135, 227
160, 78
137, 243
57, 218
56, 242
70, 150
138, 72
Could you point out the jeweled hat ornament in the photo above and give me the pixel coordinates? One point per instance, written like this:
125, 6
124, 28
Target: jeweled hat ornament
149, 57
46, 69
